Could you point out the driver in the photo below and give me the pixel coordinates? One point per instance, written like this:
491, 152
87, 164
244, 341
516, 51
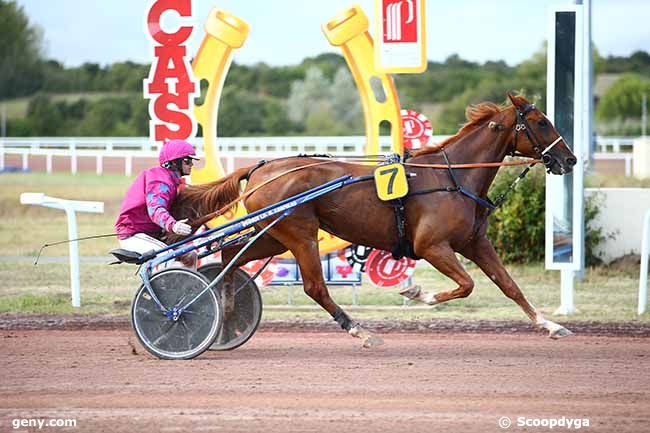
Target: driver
144, 216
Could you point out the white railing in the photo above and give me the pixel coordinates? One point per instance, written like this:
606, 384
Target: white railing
271, 144
614, 144
621, 156
229, 148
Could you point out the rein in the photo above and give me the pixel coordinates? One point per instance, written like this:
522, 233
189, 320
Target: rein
457, 188
521, 125
475, 165
205, 218
485, 202
491, 206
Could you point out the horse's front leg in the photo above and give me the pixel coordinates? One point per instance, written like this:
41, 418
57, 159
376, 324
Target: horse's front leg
483, 254
442, 257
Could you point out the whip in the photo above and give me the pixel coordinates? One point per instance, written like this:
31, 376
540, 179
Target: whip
68, 241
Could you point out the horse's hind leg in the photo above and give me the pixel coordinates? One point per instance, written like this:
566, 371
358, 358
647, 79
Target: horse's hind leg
264, 247
301, 238
483, 254
443, 258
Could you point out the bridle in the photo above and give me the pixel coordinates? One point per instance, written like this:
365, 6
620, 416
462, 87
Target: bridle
523, 125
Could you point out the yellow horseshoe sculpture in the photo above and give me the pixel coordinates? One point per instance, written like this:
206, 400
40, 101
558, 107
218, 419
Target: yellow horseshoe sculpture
226, 32
349, 30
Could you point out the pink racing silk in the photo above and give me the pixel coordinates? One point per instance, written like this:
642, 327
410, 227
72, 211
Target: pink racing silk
145, 208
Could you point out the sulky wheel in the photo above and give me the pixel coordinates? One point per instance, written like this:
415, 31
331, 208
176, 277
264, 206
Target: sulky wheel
242, 323
196, 328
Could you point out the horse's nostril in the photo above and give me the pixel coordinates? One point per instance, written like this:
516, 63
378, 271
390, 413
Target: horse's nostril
571, 161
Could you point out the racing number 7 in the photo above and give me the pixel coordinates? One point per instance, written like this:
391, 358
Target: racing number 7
393, 174
390, 182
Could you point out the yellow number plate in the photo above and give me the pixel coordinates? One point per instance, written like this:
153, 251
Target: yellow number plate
391, 182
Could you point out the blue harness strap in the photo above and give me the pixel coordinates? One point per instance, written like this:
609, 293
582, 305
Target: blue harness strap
483, 202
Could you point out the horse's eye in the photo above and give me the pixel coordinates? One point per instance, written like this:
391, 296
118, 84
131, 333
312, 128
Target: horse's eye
542, 123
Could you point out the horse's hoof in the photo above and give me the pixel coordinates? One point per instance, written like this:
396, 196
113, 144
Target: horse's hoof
369, 340
411, 292
372, 341
559, 333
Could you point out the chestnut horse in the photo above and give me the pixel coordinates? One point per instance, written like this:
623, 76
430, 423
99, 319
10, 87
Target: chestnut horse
437, 224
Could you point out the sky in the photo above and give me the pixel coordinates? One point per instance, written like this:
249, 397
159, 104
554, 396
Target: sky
284, 32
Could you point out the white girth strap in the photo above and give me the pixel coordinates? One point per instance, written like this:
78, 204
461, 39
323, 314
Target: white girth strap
550, 146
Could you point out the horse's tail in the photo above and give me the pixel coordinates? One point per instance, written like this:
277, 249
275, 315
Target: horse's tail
209, 199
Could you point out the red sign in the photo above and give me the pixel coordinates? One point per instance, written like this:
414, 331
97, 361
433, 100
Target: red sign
400, 21
384, 271
266, 277
170, 87
416, 128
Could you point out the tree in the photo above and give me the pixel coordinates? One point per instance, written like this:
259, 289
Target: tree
305, 92
20, 52
240, 113
104, 115
44, 117
345, 102
326, 107
623, 99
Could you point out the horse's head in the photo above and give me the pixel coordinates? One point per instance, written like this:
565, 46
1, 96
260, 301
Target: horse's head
535, 136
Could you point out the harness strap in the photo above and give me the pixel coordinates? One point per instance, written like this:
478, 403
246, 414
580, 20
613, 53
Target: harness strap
258, 165
487, 203
430, 190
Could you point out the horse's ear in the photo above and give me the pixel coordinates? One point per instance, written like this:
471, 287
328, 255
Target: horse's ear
512, 98
518, 101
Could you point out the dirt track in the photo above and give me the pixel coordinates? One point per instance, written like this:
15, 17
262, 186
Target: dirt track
322, 381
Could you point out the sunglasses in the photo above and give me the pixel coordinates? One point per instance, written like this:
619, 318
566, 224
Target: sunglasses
188, 161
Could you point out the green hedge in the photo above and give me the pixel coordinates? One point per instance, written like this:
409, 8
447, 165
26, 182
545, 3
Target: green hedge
517, 228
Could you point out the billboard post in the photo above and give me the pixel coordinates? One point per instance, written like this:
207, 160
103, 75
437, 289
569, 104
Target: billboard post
568, 107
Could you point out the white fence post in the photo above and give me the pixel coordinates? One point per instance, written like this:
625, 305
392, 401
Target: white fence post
128, 165
73, 157
643, 277
70, 207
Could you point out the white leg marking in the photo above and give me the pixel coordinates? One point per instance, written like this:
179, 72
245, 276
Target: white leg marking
555, 330
415, 293
369, 340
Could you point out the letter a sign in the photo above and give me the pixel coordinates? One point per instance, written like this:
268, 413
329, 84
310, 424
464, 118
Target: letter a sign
400, 45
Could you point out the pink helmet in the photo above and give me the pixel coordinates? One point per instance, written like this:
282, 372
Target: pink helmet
175, 149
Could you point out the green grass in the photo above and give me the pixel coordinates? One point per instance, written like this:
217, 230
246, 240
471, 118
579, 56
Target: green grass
603, 294
615, 181
17, 108
25, 228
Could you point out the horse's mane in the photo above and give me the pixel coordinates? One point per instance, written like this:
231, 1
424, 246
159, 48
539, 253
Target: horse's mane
476, 115
197, 200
